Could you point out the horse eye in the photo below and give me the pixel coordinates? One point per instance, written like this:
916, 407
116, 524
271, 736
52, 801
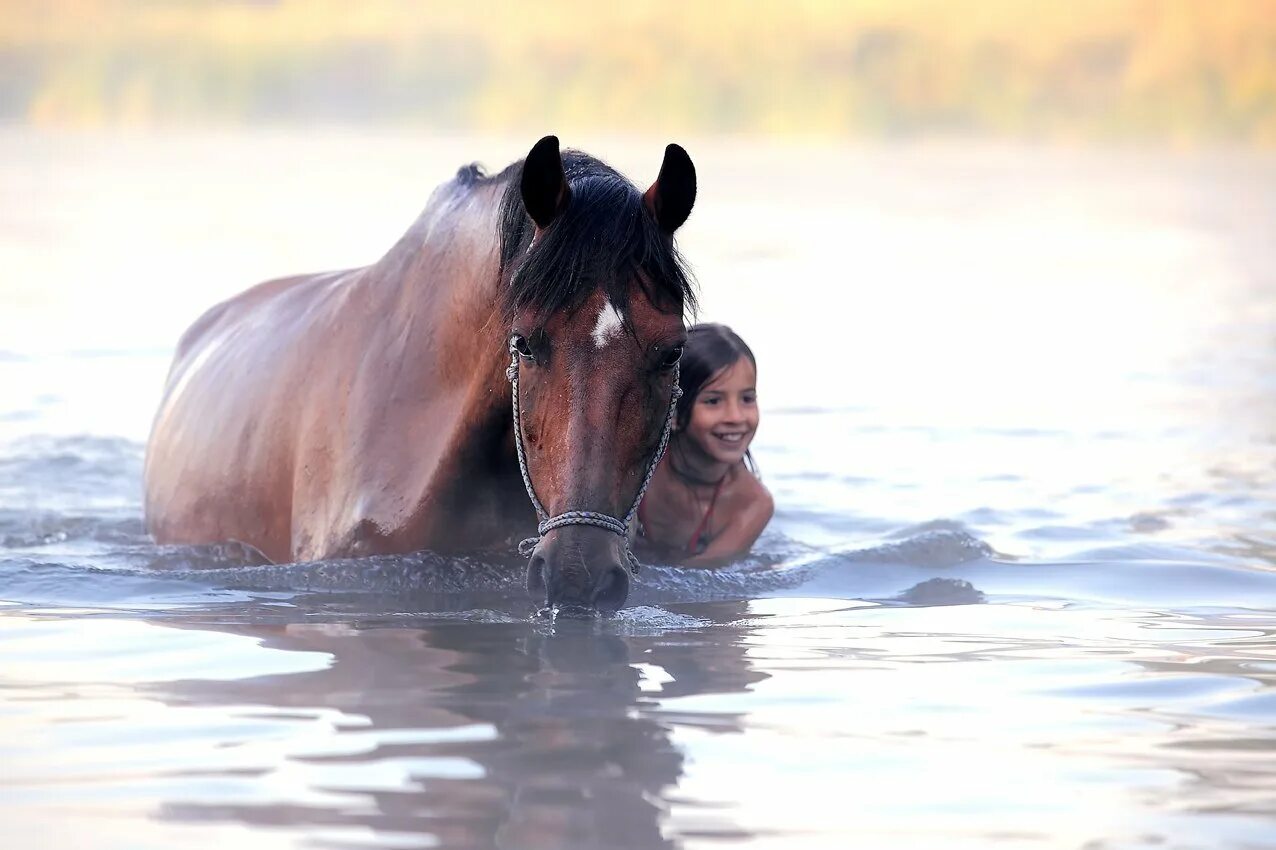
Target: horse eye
519, 343
671, 357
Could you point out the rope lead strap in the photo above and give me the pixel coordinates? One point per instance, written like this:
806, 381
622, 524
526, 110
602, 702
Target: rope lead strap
619, 527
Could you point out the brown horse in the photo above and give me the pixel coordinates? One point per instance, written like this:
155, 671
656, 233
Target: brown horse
369, 411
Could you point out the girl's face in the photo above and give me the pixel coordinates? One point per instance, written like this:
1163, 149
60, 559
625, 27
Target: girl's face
725, 414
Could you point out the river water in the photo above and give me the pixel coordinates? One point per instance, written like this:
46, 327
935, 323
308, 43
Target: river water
1019, 419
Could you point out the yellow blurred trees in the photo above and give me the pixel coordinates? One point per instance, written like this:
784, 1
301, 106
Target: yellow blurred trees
1182, 70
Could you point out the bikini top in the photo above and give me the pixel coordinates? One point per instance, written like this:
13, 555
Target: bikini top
694, 546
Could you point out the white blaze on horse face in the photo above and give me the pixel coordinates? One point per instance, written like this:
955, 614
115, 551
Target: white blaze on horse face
608, 325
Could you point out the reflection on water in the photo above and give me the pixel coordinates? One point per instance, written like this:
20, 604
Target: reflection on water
496, 734
784, 721
501, 734
1019, 419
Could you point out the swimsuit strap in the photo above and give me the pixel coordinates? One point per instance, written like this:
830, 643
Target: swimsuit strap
695, 537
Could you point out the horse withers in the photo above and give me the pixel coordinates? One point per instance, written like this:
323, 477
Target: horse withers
370, 411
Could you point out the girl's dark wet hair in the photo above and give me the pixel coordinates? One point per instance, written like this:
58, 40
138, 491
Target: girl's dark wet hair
710, 349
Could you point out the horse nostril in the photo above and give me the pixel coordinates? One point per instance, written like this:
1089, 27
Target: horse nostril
611, 590
536, 577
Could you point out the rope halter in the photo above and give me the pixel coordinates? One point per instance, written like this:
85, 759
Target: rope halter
619, 527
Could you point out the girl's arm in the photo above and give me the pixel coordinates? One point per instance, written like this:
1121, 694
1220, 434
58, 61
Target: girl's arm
739, 536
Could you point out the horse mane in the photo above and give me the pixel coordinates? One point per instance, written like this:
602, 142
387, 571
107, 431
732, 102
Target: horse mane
605, 237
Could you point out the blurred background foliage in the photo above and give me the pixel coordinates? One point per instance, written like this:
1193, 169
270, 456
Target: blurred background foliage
1177, 71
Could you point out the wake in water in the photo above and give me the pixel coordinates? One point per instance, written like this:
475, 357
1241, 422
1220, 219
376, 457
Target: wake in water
939, 567
79, 541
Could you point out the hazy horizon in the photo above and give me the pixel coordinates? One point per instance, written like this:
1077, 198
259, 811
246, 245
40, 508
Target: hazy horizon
1164, 72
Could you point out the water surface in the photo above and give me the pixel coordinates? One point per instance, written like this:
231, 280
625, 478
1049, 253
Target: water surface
1019, 417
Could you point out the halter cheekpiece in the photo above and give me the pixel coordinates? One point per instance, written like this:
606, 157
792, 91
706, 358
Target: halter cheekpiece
619, 527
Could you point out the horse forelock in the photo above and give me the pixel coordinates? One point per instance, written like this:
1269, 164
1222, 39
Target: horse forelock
604, 238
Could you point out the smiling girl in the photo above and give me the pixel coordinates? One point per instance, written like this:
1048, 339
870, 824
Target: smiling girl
705, 506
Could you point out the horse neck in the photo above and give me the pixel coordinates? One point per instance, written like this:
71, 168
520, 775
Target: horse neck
438, 287
439, 352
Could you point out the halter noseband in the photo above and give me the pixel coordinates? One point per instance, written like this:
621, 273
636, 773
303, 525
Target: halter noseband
619, 527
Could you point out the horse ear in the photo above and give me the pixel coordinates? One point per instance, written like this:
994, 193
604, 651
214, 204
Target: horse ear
672, 196
544, 186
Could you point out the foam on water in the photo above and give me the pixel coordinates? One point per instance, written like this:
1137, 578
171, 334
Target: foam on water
77, 560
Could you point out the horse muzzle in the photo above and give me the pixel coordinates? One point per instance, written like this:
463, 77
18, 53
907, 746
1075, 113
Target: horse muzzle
579, 567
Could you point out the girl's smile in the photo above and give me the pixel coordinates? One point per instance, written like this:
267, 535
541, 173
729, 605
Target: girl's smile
725, 415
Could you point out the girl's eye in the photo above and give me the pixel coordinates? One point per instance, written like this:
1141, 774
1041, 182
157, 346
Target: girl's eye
750, 398
710, 400
519, 343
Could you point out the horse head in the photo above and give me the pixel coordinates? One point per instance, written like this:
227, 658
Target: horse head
594, 294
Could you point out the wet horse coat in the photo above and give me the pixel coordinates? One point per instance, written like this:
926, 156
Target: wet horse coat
367, 411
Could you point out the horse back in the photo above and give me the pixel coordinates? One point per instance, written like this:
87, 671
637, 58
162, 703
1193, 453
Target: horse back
334, 414
219, 460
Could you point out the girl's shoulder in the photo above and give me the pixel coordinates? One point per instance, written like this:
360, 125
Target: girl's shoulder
750, 500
